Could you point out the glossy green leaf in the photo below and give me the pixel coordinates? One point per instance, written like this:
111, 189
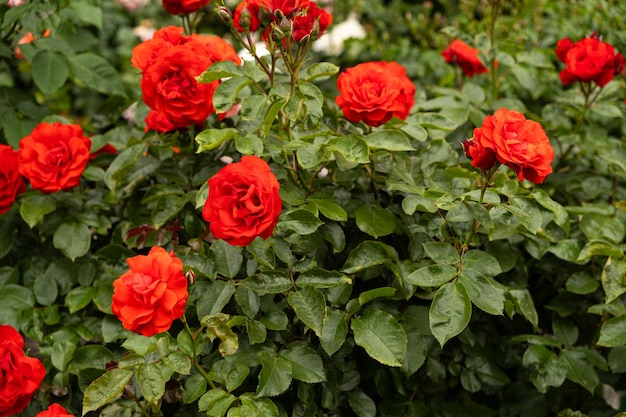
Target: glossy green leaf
73, 239
219, 70
216, 402
306, 363
390, 140
330, 209
97, 73
382, 292
151, 381
367, 254
527, 213
227, 258
380, 334
441, 253
582, 283
218, 326
613, 332
450, 311
106, 388
321, 278
310, 307
210, 139
432, 275
45, 289
561, 217
480, 262
484, 292
579, 369
334, 331
275, 376
375, 221
361, 404
248, 301
50, 71
300, 221
320, 70
268, 282
79, 298
249, 145
167, 208
525, 305
226, 93
34, 207
213, 299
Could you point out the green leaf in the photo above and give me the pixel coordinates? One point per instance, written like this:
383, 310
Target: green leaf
561, 217
216, 402
268, 282
258, 407
330, 209
195, 386
210, 139
301, 221
79, 298
367, 254
45, 289
413, 203
375, 221
382, 337
334, 331
352, 151
525, 305
582, 283
249, 145
306, 363
226, 93
62, 352
310, 307
151, 381
382, 292
450, 312
34, 207
275, 376
50, 71
73, 239
227, 258
90, 356
479, 262
216, 324
96, 73
88, 13
391, 140
613, 332
115, 175
261, 249
613, 279
106, 388
166, 208
441, 252
598, 226
579, 369
527, 213
617, 359
219, 70
432, 275
248, 300
321, 278
361, 404
548, 369
214, 298
320, 70
484, 292
269, 118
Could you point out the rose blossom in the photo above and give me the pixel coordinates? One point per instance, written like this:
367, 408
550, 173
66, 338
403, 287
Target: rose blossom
243, 202
20, 375
11, 182
170, 63
374, 92
54, 156
305, 23
507, 137
28, 38
152, 294
588, 60
54, 410
183, 6
466, 57
253, 7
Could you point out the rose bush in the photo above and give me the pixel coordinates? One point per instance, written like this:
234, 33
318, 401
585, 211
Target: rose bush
306, 232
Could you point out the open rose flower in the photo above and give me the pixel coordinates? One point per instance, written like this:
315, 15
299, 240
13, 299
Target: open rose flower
183, 6
313, 21
54, 156
461, 54
20, 375
11, 182
170, 63
509, 138
243, 202
588, 60
152, 294
54, 410
374, 92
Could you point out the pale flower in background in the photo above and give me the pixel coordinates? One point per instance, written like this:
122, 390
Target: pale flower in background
332, 42
132, 5
145, 30
15, 3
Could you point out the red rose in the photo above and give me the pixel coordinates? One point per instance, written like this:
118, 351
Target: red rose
243, 202
54, 156
54, 410
588, 60
287, 7
303, 24
183, 6
253, 7
152, 294
20, 375
11, 182
461, 54
374, 92
520, 144
170, 62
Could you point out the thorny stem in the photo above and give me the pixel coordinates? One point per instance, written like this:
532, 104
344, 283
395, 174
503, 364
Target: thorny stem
495, 10
195, 355
187, 25
486, 176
